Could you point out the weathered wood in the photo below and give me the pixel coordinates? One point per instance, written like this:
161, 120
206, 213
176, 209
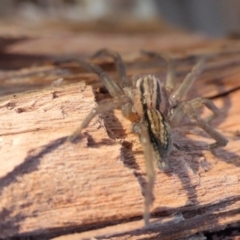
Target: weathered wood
51, 187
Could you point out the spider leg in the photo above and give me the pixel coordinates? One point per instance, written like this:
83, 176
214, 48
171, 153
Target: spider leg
117, 102
142, 131
189, 108
199, 102
113, 88
171, 75
122, 80
167, 104
187, 82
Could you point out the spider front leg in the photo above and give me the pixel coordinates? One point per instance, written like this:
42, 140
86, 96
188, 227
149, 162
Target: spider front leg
189, 108
187, 82
142, 131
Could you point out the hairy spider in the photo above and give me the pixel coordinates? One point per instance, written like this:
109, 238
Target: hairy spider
140, 101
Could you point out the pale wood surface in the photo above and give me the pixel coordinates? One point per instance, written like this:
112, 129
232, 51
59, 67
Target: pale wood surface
51, 187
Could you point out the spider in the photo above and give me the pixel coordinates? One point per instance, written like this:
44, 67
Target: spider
140, 101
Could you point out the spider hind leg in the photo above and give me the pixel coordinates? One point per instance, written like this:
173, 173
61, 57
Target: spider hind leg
189, 108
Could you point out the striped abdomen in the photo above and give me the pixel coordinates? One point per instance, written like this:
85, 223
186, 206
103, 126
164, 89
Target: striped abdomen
159, 134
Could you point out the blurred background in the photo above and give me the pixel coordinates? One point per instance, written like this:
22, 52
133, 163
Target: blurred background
212, 17
33, 31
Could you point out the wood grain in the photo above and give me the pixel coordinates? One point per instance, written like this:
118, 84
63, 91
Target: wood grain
50, 187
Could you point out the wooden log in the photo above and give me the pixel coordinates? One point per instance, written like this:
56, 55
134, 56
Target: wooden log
51, 187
